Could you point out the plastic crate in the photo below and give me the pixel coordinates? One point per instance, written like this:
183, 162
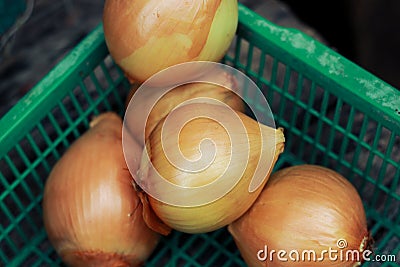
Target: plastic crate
334, 113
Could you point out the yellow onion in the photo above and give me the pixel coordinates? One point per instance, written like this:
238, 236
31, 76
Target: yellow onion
310, 213
213, 154
91, 212
146, 36
222, 89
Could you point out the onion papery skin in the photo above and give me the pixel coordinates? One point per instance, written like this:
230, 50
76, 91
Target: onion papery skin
226, 92
221, 212
91, 212
304, 207
147, 36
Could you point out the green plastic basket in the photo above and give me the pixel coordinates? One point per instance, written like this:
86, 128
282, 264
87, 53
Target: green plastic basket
334, 113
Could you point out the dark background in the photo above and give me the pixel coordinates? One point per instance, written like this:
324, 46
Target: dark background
365, 31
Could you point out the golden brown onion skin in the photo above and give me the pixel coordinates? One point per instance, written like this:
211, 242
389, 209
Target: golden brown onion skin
305, 207
146, 36
92, 214
224, 210
178, 96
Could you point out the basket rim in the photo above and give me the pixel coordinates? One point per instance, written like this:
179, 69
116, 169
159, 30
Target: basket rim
346, 79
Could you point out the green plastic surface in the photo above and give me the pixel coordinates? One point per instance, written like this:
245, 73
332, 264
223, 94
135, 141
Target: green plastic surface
334, 113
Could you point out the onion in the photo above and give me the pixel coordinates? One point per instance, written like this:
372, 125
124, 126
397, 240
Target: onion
304, 209
91, 212
222, 89
209, 155
146, 36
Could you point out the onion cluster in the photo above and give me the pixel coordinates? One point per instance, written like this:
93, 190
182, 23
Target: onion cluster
199, 163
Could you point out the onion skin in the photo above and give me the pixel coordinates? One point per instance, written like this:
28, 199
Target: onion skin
305, 207
221, 212
178, 96
91, 212
146, 36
